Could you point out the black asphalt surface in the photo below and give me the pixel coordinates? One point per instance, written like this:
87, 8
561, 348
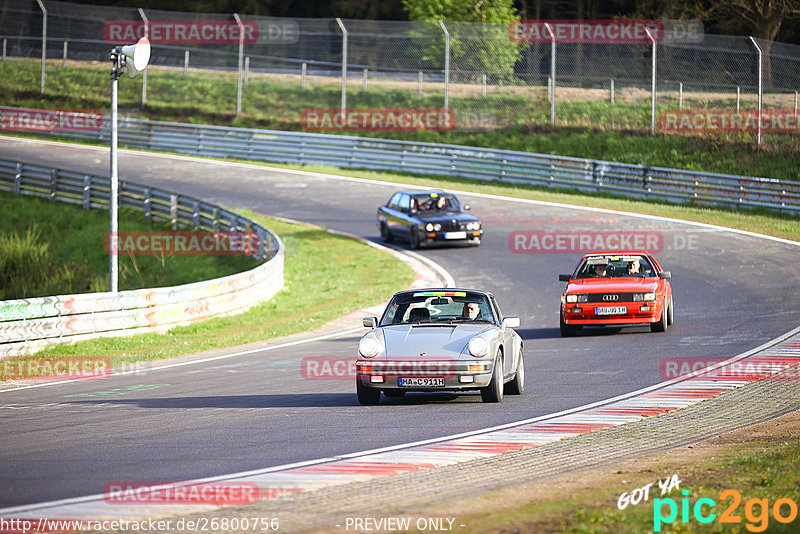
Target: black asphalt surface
732, 293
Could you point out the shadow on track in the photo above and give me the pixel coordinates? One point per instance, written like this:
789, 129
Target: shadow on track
296, 400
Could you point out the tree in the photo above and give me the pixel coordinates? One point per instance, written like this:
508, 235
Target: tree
481, 47
762, 17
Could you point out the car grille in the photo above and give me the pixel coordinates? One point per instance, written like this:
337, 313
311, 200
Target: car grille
450, 226
610, 298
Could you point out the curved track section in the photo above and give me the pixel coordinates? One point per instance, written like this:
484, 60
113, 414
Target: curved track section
732, 293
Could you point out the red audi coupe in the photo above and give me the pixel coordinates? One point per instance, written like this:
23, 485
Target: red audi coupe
618, 288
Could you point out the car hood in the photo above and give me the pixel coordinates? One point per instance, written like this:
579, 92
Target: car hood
434, 340
612, 285
447, 217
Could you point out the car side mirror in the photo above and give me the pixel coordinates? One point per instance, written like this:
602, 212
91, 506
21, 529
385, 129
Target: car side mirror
511, 322
466, 207
370, 322
665, 275
564, 277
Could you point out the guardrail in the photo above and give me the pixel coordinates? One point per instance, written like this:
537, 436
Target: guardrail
27, 325
585, 175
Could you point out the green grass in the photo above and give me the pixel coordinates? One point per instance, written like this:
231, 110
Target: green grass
765, 468
592, 129
52, 248
326, 276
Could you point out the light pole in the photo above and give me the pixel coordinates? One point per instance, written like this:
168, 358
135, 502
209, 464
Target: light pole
130, 58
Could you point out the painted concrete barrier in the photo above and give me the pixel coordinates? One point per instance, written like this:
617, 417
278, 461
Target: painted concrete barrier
28, 325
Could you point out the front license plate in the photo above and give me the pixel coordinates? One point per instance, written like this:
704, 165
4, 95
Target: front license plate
421, 382
611, 310
455, 235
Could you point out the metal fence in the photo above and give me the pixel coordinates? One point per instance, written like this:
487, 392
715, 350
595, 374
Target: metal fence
486, 78
345, 151
27, 325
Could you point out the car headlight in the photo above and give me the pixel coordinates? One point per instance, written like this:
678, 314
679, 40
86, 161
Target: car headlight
369, 346
578, 298
473, 225
437, 227
643, 296
429, 227
478, 346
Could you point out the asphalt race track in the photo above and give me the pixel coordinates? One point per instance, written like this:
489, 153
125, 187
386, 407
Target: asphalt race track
732, 293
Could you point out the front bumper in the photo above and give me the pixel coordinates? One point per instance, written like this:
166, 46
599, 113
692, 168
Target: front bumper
455, 374
459, 236
584, 313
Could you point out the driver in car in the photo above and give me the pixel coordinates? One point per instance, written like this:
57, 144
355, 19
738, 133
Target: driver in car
600, 270
471, 310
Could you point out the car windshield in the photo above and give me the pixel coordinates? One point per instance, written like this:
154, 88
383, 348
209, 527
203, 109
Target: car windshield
438, 307
615, 266
431, 204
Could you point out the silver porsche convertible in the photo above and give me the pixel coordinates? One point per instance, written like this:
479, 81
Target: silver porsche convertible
440, 340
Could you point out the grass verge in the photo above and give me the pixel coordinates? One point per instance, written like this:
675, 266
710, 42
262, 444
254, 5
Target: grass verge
326, 276
57, 249
761, 463
587, 128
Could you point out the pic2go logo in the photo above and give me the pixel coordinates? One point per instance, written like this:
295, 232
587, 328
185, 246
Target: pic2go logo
756, 511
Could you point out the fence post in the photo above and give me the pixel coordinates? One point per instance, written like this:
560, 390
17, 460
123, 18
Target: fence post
738, 96
344, 64
419, 84
64, 60
44, 41
364, 83
760, 87
53, 184
241, 54
446, 65
680, 95
303, 76
196, 214
148, 208
144, 72
87, 192
795, 103
185, 63
483, 84
652, 84
18, 179
611, 90
247, 70
552, 74
5, 47
173, 211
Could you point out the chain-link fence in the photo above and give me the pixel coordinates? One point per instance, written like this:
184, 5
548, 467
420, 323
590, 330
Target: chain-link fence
481, 73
